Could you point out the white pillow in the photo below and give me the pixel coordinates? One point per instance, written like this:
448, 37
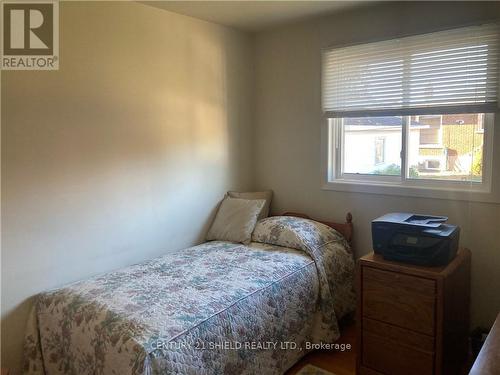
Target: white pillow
267, 195
235, 220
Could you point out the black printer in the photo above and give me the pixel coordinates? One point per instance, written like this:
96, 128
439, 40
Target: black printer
417, 239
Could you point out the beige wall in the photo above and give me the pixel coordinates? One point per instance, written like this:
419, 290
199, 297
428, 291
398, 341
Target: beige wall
288, 139
123, 153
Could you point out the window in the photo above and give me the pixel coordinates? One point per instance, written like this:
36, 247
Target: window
396, 143
429, 135
379, 151
415, 112
480, 126
364, 137
430, 129
458, 157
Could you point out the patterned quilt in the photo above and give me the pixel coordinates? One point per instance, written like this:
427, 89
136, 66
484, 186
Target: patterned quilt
216, 308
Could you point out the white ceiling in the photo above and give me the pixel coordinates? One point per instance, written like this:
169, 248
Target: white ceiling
253, 15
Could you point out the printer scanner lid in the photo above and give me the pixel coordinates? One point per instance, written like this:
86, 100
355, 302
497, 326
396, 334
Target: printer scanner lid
426, 221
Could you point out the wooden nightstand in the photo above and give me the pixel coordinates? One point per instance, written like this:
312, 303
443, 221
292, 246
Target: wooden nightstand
412, 320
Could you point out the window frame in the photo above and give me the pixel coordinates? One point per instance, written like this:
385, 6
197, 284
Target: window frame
334, 178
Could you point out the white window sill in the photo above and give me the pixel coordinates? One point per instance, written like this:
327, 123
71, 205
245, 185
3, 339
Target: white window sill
462, 193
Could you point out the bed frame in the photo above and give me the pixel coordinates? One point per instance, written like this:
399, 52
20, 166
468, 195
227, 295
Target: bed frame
345, 229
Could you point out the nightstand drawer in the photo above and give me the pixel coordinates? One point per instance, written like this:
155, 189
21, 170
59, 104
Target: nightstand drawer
400, 335
402, 300
392, 358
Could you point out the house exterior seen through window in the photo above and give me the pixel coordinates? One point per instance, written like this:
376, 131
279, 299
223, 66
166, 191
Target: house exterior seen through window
445, 147
454, 154
367, 136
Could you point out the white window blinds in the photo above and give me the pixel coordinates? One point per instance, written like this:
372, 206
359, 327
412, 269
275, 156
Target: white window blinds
453, 71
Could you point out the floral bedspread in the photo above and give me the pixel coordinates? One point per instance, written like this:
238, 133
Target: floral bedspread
216, 308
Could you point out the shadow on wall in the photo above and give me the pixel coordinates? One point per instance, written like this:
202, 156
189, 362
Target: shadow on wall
117, 157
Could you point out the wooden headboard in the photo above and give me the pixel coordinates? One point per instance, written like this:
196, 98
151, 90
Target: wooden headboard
344, 229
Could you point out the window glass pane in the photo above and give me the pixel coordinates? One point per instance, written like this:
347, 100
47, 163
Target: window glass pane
372, 145
446, 147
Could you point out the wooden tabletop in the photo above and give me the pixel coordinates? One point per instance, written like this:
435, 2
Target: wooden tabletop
488, 361
422, 271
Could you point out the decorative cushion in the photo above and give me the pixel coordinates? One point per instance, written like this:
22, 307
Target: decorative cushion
267, 195
235, 220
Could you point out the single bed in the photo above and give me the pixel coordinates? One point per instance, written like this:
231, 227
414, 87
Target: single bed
215, 308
